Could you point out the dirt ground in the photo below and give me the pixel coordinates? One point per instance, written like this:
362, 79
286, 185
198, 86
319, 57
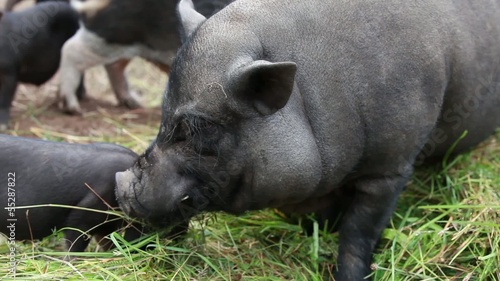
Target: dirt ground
35, 109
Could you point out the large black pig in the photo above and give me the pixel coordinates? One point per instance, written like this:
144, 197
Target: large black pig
43, 172
298, 105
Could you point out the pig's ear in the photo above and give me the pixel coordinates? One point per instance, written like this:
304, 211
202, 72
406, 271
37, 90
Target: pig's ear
189, 17
266, 85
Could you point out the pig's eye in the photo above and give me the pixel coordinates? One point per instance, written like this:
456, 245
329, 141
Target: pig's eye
204, 133
180, 132
201, 127
206, 127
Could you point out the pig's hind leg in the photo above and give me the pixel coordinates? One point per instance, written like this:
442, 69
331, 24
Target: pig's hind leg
85, 50
116, 74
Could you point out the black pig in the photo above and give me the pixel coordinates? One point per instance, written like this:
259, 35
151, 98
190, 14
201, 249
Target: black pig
30, 47
43, 172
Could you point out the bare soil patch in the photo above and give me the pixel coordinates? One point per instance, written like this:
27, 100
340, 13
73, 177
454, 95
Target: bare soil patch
35, 109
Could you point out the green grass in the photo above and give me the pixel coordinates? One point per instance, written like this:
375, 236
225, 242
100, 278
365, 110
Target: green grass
446, 227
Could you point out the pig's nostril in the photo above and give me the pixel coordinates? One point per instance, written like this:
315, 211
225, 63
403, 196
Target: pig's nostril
186, 197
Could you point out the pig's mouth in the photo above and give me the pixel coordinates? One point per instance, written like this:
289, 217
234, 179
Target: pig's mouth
157, 209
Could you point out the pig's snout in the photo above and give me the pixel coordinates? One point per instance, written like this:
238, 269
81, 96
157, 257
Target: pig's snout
137, 196
127, 189
123, 178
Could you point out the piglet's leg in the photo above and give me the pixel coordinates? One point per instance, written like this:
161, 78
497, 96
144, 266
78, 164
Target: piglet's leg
104, 243
363, 223
78, 226
116, 74
8, 85
76, 57
82, 51
76, 241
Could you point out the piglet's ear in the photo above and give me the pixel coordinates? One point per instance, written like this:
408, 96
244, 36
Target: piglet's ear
266, 85
189, 17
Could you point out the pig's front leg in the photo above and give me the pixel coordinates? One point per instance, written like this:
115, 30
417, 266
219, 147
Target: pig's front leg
78, 225
8, 85
76, 241
363, 223
76, 57
71, 75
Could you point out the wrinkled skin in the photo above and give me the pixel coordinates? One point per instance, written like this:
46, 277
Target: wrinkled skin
317, 106
46, 172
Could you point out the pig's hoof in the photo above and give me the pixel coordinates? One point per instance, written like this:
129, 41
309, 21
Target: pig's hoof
72, 110
131, 103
